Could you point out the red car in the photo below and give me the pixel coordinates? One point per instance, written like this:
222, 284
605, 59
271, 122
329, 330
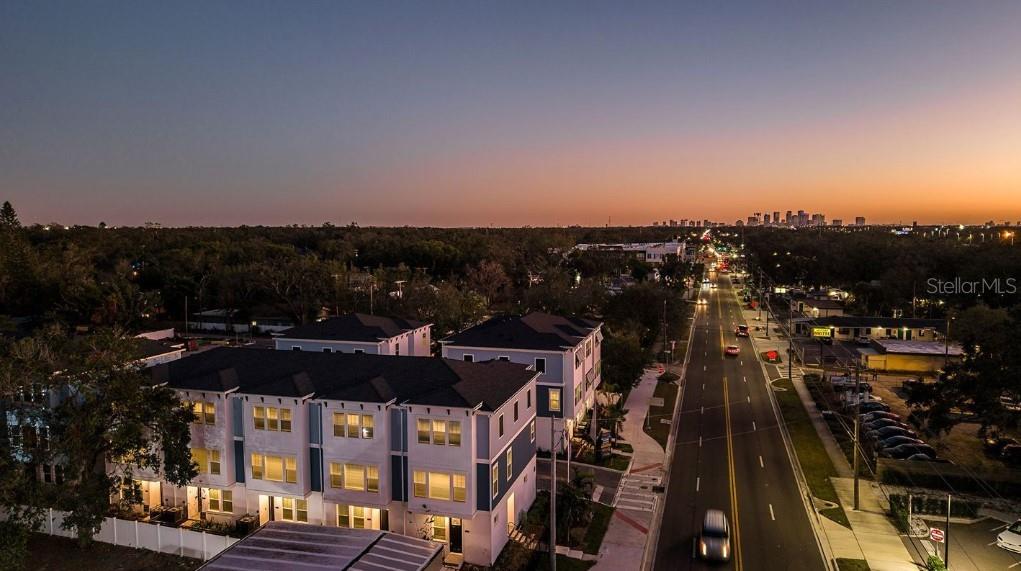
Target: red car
732, 350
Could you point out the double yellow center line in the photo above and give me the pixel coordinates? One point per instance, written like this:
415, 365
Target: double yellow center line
735, 539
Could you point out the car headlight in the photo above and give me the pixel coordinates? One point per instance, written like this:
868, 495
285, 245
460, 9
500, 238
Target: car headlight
726, 551
702, 547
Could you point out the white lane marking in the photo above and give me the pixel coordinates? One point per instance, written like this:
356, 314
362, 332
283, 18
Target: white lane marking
699, 441
742, 363
703, 386
705, 367
1009, 566
999, 527
771, 515
753, 426
698, 483
749, 398
703, 410
761, 464
744, 379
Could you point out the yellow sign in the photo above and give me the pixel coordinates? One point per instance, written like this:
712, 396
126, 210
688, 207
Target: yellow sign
822, 332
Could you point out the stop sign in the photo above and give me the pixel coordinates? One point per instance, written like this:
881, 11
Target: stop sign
936, 534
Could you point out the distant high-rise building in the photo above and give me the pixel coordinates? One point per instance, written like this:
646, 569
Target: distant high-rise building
776, 217
802, 218
789, 218
837, 222
859, 220
818, 219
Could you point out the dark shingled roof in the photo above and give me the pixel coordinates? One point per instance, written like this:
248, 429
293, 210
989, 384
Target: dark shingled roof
882, 322
352, 327
342, 376
536, 330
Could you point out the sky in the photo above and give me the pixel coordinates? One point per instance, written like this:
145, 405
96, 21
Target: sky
507, 114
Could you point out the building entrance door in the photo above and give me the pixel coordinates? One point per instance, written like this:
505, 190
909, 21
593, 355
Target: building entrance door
455, 535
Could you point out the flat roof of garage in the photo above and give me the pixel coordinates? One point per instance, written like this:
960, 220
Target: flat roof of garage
285, 545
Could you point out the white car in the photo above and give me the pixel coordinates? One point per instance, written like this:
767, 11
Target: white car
1010, 538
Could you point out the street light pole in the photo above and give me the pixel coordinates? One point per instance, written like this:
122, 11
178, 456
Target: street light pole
857, 428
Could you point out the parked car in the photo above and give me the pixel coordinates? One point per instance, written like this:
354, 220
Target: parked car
874, 405
922, 458
1011, 454
732, 350
896, 441
883, 423
904, 450
875, 415
863, 341
994, 445
1010, 538
714, 539
889, 431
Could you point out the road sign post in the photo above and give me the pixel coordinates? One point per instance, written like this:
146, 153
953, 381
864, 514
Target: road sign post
936, 535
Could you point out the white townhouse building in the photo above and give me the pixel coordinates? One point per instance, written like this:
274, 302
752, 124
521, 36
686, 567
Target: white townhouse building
565, 351
359, 333
651, 252
425, 447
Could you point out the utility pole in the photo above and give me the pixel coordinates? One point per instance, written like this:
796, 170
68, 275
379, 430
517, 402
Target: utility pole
185, 315
760, 294
946, 538
790, 340
552, 497
857, 428
765, 297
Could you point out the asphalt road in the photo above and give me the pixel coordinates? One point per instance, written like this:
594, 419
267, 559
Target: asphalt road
730, 455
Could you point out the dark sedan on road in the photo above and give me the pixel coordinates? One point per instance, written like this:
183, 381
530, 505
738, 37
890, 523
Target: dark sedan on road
714, 540
905, 450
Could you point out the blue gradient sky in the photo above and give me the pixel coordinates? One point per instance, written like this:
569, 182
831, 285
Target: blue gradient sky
477, 113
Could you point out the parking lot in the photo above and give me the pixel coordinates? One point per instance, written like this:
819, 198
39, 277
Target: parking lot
972, 547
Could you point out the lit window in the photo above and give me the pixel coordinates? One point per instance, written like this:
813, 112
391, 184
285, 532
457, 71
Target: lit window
496, 479
554, 400
285, 420
460, 487
336, 475
272, 418
423, 431
454, 436
199, 457
214, 500
210, 413
214, 462
439, 528
358, 517
510, 464
420, 484
354, 477
258, 466
338, 424
372, 479
343, 515
274, 468
531, 430
221, 501
439, 432
439, 485
295, 510
368, 426
290, 470
259, 414
353, 425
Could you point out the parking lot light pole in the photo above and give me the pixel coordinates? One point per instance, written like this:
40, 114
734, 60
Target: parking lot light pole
946, 538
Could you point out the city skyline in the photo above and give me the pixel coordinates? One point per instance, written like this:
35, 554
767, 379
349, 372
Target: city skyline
454, 115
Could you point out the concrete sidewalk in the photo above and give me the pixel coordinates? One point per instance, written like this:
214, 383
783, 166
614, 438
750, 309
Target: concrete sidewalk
872, 536
624, 544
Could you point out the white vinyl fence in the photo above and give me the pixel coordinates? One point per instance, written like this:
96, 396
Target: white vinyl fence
133, 533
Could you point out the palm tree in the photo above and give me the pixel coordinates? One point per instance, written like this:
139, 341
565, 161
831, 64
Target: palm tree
613, 415
574, 504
